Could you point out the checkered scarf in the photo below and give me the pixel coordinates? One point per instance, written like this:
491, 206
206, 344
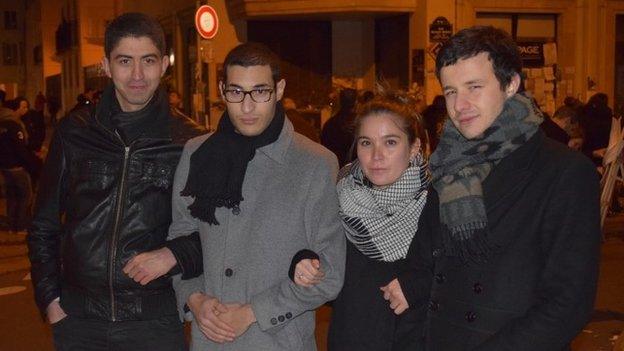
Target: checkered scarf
460, 165
381, 222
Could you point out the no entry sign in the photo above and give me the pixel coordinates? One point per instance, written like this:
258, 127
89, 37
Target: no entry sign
206, 22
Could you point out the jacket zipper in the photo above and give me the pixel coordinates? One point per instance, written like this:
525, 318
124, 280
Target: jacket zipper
118, 213
113, 244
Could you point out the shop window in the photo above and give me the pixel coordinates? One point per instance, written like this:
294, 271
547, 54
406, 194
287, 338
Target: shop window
9, 54
10, 20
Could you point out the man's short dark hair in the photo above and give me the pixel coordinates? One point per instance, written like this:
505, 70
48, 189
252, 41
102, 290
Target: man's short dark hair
252, 54
135, 25
498, 44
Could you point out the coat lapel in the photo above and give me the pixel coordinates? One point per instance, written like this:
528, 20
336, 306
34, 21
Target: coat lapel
509, 177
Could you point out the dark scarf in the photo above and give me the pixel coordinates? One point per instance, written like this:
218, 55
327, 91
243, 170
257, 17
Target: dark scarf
459, 166
218, 167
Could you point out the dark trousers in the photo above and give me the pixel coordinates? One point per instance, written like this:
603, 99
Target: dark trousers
18, 197
76, 334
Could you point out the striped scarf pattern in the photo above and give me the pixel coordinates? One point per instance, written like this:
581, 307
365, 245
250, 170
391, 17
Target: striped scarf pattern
381, 222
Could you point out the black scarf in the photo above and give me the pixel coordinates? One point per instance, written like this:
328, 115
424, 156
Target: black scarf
218, 167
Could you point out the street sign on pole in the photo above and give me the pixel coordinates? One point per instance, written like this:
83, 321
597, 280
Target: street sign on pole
206, 22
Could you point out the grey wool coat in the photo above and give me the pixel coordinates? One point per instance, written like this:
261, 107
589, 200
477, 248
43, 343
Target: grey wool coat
290, 203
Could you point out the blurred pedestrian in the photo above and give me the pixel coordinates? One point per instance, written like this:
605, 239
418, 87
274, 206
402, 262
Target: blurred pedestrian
434, 117
33, 121
53, 110
40, 102
596, 124
301, 125
569, 117
175, 101
17, 163
365, 97
337, 133
554, 129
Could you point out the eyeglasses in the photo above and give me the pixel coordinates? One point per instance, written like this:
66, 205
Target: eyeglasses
257, 95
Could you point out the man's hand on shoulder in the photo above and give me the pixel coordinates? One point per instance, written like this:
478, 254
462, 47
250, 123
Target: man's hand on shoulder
207, 311
147, 266
54, 312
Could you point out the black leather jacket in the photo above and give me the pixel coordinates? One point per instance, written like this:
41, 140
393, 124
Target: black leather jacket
101, 202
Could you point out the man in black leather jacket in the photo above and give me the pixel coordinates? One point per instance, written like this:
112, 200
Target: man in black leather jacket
105, 195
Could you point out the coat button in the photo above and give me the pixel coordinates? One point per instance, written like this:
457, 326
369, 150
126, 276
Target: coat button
229, 272
273, 321
477, 288
440, 278
433, 305
436, 253
281, 318
288, 315
471, 316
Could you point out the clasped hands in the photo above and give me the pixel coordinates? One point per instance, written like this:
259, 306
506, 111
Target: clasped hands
218, 321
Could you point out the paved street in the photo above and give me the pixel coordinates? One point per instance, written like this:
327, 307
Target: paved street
21, 327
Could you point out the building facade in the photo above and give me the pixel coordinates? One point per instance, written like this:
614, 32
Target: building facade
569, 47
13, 67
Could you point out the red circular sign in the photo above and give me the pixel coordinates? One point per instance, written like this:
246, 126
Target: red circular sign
206, 22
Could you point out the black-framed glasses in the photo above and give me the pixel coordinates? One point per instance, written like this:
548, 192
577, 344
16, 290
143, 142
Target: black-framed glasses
257, 95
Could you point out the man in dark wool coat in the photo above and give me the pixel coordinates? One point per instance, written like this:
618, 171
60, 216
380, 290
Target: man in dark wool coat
508, 256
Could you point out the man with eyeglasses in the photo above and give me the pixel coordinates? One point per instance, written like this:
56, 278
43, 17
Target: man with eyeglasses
257, 193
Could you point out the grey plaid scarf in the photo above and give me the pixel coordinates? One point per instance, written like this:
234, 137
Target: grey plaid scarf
381, 222
459, 166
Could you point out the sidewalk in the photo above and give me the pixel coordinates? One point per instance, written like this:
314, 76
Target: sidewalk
13, 253
7, 238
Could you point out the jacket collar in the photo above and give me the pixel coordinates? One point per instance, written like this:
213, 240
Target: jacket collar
277, 150
158, 108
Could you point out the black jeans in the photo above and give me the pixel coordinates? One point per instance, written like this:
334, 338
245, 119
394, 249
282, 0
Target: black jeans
76, 334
